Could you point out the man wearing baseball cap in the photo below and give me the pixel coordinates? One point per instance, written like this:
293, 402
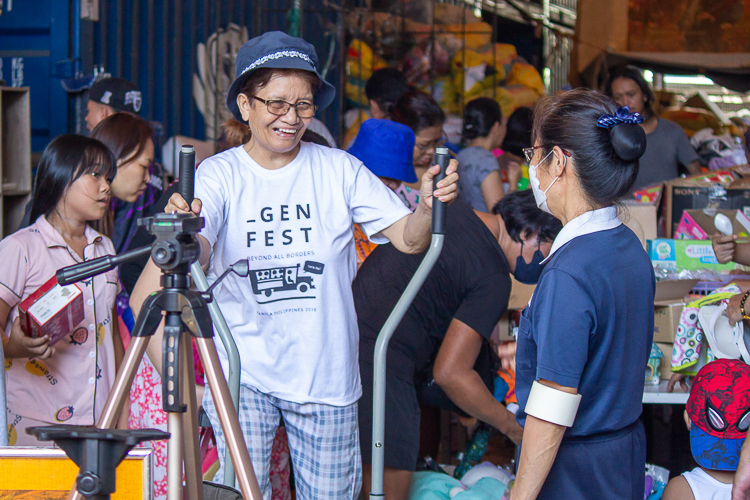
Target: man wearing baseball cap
109, 96
719, 414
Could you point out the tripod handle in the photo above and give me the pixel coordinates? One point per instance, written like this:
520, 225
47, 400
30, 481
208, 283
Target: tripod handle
72, 274
442, 158
84, 270
187, 173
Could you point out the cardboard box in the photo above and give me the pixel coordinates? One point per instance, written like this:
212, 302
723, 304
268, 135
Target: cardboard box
699, 192
666, 320
52, 310
665, 367
699, 224
640, 218
520, 294
686, 254
504, 329
650, 194
672, 291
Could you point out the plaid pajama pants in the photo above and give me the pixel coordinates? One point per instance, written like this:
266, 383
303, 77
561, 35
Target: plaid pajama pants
323, 441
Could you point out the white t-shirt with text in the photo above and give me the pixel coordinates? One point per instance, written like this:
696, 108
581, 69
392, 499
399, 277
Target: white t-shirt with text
293, 318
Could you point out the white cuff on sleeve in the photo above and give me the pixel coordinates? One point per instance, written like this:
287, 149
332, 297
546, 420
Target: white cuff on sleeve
551, 405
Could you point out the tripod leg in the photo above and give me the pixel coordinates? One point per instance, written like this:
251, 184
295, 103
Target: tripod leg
146, 323
228, 418
193, 472
174, 456
172, 400
121, 388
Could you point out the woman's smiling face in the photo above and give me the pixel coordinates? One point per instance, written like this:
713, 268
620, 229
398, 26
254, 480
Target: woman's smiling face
273, 133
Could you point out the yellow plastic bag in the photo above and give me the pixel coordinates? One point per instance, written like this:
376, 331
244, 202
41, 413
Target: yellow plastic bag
526, 75
474, 35
512, 97
361, 61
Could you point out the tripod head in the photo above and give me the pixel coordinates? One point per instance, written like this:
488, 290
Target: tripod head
175, 248
176, 245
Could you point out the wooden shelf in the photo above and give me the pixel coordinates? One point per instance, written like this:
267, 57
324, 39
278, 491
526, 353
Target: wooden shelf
15, 156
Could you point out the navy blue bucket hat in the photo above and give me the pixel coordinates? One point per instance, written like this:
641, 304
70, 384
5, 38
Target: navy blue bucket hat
276, 50
386, 148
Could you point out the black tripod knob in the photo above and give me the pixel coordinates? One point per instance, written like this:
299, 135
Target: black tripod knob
89, 484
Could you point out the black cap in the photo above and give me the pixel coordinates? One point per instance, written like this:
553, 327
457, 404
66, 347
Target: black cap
276, 50
118, 93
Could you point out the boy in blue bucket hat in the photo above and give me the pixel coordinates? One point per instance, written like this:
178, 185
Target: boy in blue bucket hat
386, 149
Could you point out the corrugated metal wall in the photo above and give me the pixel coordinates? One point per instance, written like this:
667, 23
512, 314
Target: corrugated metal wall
153, 44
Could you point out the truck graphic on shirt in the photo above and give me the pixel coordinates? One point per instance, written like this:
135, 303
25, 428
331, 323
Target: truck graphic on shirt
278, 279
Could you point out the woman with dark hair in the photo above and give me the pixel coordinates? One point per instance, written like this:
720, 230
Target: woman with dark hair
422, 114
481, 185
288, 207
130, 138
667, 146
384, 87
586, 334
518, 132
68, 379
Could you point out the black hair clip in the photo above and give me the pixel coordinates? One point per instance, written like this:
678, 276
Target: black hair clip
623, 116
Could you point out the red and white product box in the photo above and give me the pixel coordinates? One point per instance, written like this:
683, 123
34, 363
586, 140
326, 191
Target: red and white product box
52, 310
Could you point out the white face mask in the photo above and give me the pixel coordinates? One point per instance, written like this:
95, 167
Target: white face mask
539, 195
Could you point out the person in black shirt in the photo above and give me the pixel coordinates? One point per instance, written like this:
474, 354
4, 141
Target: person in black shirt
447, 325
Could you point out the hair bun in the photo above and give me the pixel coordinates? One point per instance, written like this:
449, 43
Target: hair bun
469, 131
628, 141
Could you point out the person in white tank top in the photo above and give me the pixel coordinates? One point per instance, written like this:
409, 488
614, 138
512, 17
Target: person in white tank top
718, 415
700, 484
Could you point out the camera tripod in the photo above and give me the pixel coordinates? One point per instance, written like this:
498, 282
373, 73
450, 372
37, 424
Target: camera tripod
185, 314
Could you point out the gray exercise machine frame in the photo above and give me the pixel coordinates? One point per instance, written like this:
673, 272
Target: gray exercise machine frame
381, 346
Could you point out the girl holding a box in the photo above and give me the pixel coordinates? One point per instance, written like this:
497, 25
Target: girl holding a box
70, 381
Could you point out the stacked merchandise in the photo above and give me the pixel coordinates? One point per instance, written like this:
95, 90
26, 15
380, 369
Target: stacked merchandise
453, 58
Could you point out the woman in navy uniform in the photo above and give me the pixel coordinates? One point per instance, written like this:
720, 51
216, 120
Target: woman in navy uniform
585, 338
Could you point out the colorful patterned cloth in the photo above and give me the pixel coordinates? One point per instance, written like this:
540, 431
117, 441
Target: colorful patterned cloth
689, 340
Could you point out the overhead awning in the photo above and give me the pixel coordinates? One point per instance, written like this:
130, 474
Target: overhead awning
728, 70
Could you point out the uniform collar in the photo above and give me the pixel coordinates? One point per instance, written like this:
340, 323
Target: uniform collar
589, 222
55, 239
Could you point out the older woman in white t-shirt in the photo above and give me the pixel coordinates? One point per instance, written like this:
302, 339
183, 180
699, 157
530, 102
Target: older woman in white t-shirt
289, 207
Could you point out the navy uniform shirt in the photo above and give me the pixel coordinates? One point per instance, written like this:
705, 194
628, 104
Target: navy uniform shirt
590, 323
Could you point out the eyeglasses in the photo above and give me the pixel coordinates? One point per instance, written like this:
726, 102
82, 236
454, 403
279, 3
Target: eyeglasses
431, 145
529, 152
303, 109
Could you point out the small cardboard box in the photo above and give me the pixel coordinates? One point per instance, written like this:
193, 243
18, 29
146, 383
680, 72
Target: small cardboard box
640, 218
650, 194
520, 295
699, 224
665, 367
666, 320
672, 291
504, 329
52, 310
686, 254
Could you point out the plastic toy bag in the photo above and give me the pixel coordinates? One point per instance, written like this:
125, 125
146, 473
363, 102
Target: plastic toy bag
657, 477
